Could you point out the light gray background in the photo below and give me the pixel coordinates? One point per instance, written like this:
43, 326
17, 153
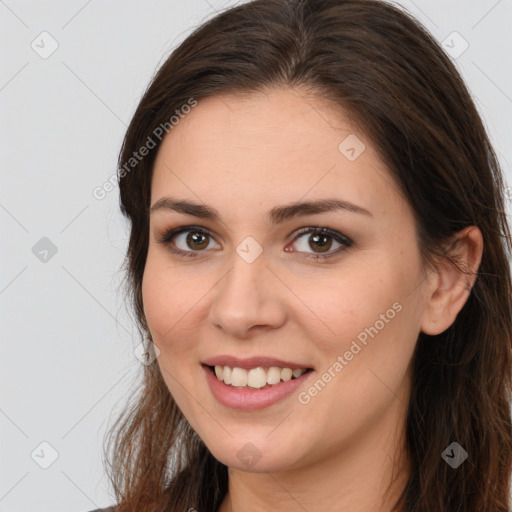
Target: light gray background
67, 351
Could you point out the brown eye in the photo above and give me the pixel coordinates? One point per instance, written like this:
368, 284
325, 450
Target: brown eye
324, 242
320, 241
190, 241
196, 240
186, 241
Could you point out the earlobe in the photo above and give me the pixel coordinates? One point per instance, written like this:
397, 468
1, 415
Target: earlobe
450, 284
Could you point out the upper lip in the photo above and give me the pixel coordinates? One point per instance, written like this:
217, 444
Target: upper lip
252, 362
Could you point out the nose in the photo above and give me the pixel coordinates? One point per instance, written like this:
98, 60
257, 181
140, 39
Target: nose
246, 300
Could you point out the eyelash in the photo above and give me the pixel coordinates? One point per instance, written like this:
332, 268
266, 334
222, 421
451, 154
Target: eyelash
166, 237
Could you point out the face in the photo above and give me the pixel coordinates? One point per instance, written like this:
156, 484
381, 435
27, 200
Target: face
335, 292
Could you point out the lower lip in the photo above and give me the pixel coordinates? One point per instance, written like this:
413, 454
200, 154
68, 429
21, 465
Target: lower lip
247, 399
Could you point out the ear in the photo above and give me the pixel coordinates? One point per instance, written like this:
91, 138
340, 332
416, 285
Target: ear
449, 288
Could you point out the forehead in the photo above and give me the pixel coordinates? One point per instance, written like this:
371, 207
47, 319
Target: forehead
267, 148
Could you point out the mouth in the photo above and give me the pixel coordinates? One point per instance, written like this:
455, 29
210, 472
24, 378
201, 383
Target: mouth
257, 378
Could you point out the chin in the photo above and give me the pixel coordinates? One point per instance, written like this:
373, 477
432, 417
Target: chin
257, 454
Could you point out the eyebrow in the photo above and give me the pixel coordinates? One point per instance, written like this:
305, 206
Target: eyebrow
276, 215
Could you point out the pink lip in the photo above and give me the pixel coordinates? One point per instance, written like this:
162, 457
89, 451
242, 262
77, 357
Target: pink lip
247, 399
252, 362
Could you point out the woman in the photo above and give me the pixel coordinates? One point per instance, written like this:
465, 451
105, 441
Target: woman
319, 254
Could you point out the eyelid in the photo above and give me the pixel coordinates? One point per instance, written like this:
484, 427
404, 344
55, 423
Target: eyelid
167, 235
344, 241
339, 237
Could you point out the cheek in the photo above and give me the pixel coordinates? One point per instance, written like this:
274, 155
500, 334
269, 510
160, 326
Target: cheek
370, 326
167, 303
158, 304
365, 363
344, 305
167, 313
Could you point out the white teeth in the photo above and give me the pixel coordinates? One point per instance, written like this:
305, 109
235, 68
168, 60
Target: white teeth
273, 375
286, 374
227, 374
297, 372
256, 378
239, 377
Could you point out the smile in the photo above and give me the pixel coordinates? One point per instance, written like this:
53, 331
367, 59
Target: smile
249, 388
256, 378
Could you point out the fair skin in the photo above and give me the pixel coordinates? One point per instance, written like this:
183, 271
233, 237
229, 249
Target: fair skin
244, 156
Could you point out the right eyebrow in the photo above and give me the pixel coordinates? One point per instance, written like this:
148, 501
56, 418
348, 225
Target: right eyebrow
276, 215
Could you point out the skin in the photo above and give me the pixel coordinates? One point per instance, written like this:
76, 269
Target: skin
244, 155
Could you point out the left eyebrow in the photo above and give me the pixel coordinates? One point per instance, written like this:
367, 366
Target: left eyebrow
276, 215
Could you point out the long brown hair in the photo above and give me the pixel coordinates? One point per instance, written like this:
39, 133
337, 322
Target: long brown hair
383, 68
